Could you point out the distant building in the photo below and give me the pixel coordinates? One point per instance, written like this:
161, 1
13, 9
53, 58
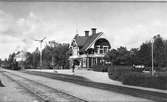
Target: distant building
89, 49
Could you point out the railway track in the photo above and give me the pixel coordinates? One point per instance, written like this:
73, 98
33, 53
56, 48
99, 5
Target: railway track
43, 92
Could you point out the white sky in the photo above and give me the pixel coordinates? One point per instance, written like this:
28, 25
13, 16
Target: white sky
124, 23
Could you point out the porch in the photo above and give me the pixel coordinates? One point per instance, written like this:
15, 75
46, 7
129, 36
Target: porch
87, 61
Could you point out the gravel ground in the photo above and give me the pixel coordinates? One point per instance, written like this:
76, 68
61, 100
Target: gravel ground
45, 92
101, 77
12, 92
83, 92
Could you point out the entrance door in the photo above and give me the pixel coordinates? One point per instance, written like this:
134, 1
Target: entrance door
84, 63
90, 62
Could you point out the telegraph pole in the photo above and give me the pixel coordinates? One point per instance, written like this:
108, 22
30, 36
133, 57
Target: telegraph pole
52, 45
41, 41
152, 50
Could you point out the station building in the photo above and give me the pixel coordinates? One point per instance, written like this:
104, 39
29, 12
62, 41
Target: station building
89, 49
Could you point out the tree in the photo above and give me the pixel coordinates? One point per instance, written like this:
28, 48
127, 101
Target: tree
159, 51
133, 56
0, 61
29, 60
5, 63
121, 56
47, 56
112, 56
61, 55
144, 54
165, 52
12, 62
36, 58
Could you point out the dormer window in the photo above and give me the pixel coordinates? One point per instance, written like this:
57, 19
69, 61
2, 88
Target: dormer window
101, 50
105, 49
101, 46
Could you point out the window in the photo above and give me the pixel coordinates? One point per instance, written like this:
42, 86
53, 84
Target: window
101, 51
75, 51
105, 49
97, 49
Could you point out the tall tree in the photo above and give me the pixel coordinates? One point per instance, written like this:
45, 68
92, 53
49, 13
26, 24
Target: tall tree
133, 56
159, 51
0, 61
29, 60
36, 58
61, 55
165, 52
47, 56
123, 56
144, 54
12, 62
112, 56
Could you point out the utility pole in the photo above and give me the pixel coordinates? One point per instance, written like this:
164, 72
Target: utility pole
41, 41
52, 45
152, 71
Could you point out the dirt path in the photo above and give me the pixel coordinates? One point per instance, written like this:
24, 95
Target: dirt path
12, 92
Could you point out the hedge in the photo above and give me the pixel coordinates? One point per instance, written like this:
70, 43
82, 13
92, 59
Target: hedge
117, 72
145, 80
126, 75
100, 68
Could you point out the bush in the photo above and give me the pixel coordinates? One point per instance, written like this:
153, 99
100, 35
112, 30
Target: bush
163, 69
147, 69
117, 72
100, 68
145, 80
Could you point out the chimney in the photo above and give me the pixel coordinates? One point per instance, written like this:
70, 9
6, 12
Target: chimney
87, 33
93, 31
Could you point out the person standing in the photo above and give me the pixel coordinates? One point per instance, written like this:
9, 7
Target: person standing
73, 67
